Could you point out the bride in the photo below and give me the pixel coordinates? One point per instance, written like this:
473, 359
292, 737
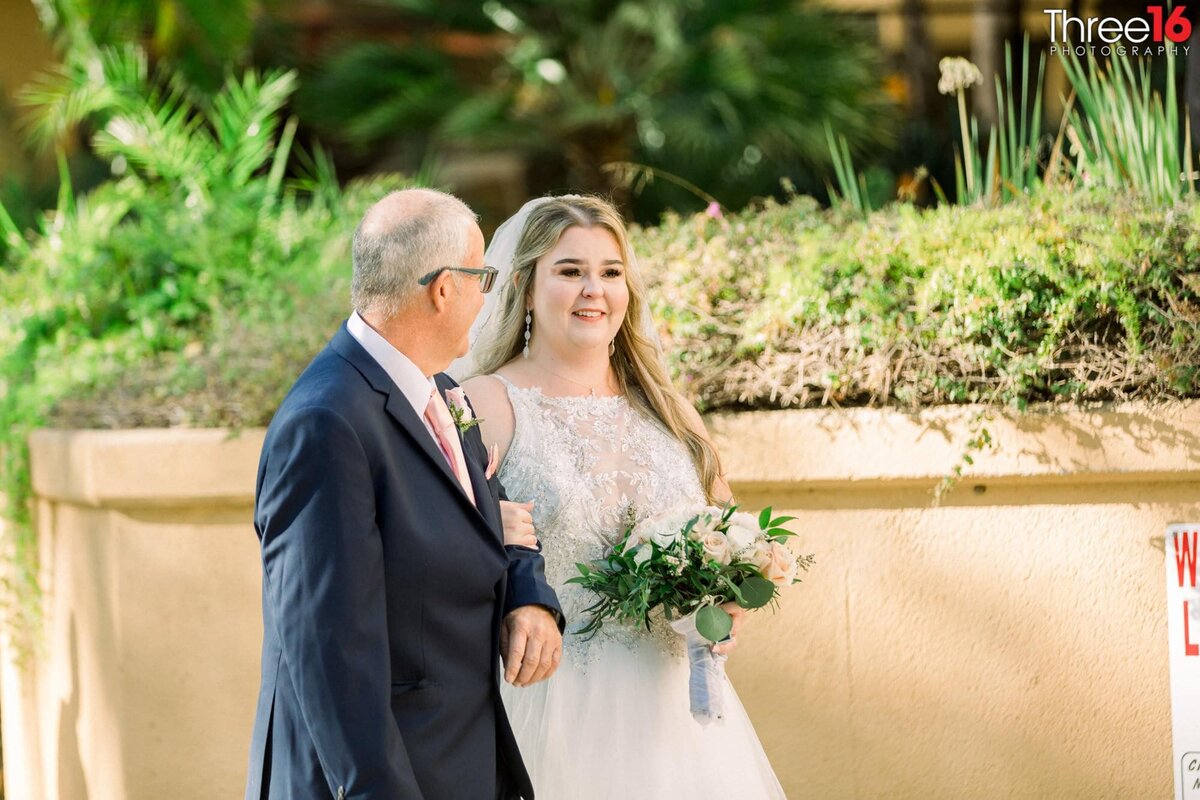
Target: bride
571, 390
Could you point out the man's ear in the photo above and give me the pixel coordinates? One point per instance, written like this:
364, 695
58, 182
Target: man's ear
441, 291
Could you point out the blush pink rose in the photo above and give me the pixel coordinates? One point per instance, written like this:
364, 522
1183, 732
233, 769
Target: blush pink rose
775, 562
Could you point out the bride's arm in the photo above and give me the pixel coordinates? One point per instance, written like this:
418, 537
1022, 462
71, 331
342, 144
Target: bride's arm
489, 398
531, 635
490, 401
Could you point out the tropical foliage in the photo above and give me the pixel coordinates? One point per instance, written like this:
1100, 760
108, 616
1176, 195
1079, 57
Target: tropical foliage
201, 39
197, 247
719, 94
1127, 135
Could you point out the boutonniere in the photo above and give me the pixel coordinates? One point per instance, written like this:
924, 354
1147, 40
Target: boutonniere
464, 418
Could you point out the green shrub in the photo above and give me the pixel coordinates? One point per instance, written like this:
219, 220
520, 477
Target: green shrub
193, 287
183, 291
1075, 296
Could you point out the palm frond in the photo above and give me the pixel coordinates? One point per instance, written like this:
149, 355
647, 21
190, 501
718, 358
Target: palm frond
165, 139
93, 82
245, 117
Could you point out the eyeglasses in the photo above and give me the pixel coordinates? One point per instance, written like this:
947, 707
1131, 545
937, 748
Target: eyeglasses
487, 276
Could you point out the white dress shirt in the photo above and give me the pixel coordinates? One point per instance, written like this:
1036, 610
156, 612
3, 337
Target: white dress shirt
413, 384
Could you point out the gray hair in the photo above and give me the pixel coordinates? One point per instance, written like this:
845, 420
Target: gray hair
401, 238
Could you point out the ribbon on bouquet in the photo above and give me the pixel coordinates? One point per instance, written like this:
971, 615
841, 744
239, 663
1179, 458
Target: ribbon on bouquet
706, 681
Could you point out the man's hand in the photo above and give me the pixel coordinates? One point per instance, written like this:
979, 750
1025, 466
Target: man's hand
530, 645
739, 616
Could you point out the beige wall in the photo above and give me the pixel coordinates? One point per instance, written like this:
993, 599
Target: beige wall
1010, 642
149, 676
24, 48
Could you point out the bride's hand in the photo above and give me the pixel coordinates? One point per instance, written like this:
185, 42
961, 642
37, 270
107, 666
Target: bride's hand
518, 524
739, 616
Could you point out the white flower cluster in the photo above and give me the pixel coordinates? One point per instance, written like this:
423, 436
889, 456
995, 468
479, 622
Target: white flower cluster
741, 541
957, 74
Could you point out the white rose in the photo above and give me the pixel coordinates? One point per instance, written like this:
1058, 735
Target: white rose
748, 521
667, 537
636, 536
675, 517
741, 540
716, 547
706, 525
663, 528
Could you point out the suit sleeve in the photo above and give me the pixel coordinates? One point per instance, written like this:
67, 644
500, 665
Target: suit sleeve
527, 579
526, 585
323, 568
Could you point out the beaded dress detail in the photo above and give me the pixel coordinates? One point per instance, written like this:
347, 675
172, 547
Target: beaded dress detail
614, 720
593, 466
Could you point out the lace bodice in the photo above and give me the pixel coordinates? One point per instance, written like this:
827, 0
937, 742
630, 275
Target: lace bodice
592, 465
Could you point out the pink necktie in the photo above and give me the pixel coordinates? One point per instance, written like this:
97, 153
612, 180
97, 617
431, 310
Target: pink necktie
443, 425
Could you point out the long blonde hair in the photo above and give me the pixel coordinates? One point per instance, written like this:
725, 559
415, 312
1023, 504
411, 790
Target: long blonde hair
641, 374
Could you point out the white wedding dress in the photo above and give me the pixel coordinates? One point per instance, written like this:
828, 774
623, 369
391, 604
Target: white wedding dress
614, 721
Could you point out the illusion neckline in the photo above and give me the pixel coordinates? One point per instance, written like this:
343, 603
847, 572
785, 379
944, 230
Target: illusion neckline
599, 398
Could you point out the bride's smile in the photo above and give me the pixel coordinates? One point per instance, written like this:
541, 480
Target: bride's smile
579, 292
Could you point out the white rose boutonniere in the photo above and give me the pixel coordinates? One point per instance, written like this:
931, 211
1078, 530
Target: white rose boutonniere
460, 410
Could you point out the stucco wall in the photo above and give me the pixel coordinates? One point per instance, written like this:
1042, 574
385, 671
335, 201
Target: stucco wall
148, 679
1010, 642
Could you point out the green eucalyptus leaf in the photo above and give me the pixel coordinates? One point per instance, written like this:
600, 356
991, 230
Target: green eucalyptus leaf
713, 623
756, 591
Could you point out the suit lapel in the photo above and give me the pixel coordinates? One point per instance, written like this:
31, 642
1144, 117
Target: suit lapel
400, 410
484, 502
483, 495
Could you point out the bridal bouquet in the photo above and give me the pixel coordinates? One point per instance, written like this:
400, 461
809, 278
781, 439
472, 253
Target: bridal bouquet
689, 562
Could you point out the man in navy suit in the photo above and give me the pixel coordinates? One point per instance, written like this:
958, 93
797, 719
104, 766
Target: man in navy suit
388, 593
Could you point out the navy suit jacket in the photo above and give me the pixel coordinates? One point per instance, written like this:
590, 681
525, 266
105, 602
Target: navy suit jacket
383, 593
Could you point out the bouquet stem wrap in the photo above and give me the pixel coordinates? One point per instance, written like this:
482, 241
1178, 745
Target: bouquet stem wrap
706, 683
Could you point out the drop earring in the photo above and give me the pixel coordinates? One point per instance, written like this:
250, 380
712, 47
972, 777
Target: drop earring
612, 347
528, 325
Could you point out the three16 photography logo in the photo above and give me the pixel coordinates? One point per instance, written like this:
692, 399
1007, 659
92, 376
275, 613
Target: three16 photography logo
1162, 29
